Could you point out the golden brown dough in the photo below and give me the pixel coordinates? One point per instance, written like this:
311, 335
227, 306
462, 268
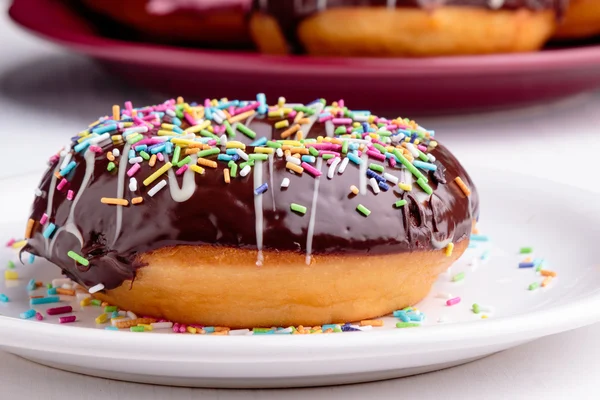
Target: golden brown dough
582, 20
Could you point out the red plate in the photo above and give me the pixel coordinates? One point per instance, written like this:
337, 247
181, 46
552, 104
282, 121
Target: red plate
412, 86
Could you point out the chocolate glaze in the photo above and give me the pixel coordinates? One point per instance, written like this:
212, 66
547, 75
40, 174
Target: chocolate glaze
223, 214
290, 14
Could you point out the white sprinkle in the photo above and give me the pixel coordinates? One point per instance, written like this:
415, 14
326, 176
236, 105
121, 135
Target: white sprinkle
239, 332
131, 315
279, 152
96, 288
431, 157
368, 139
293, 160
81, 296
66, 161
122, 313
442, 295
361, 118
374, 185
136, 160
161, 325
223, 139
286, 330
242, 154
332, 167
170, 113
156, 188
217, 118
413, 150
133, 184
99, 138
343, 165
60, 281
391, 178
38, 192
67, 286
116, 152
245, 171
285, 182
136, 129
364, 328
442, 319
397, 138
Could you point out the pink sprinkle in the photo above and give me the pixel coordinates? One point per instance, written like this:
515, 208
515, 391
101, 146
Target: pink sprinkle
422, 148
326, 118
59, 310
392, 161
182, 328
341, 103
206, 103
231, 110
11, 241
190, 120
376, 155
66, 320
349, 129
249, 107
161, 107
311, 170
182, 170
292, 115
340, 114
146, 110
53, 159
391, 127
39, 316
342, 121
135, 168
96, 149
128, 106
453, 301
212, 142
70, 195
176, 327
378, 142
62, 184
160, 157
138, 121
44, 219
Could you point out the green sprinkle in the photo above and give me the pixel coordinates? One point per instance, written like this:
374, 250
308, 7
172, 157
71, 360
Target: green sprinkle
78, 258
228, 129
383, 133
134, 139
423, 156
110, 166
49, 286
340, 130
144, 155
424, 186
337, 330
380, 147
407, 325
96, 302
298, 208
209, 134
137, 329
185, 161
246, 131
538, 268
261, 330
327, 156
233, 169
363, 210
407, 309
313, 151
209, 152
476, 308
273, 144
176, 155
11, 265
258, 156
534, 286
345, 146
458, 277
526, 250
109, 309
401, 203
376, 167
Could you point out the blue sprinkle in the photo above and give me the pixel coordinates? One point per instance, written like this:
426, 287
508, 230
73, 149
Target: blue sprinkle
82, 146
329, 326
105, 128
224, 157
526, 265
354, 158
309, 159
3, 298
349, 329
353, 146
111, 328
228, 104
416, 318
31, 285
67, 169
486, 255
425, 165
323, 115
31, 258
176, 121
384, 186
402, 315
169, 147
261, 189
480, 238
27, 314
235, 157
157, 148
231, 151
115, 314
209, 329
44, 300
373, 174
142, 147
208, 113
51, 291
178, 130
259, 142
365, 127
49, 230
131, 154
262, 99
538, 261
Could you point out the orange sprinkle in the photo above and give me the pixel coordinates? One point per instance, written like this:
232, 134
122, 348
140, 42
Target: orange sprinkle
29, 228
299, 116
354, 189
226, 175
546, 281
104, 304
57, 175
527, 260
114, 202
290, 131
221, 329
303, 121
207, 163
39, 284
241, 116
134, 322
180, 100
299, 135
372, 322
66, 292
296, 168
137, 200
545, 272
116, 113
152, 161
110, 156
328, 330
299, 150
191, 151
462, 186
35, 297
297, 155
221, 333
287, 152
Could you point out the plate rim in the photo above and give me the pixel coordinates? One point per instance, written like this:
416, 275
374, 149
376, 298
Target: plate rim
97, 46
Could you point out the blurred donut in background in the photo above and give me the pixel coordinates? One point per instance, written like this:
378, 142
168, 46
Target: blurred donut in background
581, 20
210, 23
413, 28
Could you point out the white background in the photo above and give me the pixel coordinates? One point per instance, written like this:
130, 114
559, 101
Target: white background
47, 94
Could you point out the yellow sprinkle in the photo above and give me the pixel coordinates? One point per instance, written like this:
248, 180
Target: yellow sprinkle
147, 327
354, 189
291, 143
127, 124
276, 114
264, 150
94, 123
214, 102
299, 116
207, 163
226, 175
186, 142
81, 139
85, 302
197, 169
296, 168
29, 228
281, 102
320, 139
287, 110
371, 119
116, 112
241, 117
433, 143
547, 280
191, 329
164, 132
117, 138
484, 317
167, 126
152, 161
19, 244
102, 318
10, 275
404, 186
449, 249
235, 145
137, 200
284, 123
157, 174
114, 201
110, 156
197, 128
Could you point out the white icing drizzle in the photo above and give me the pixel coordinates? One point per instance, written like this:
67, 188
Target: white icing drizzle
363, 173
271, 156
51, 198
188, 187
258, 211
391, 3
329, 128
120, 190
313, 214
332, 168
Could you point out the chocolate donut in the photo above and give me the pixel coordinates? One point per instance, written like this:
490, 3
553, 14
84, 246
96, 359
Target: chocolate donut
239, 214
403, 27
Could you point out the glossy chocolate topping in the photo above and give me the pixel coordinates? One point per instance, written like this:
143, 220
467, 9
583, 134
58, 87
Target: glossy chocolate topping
201, 209
290, 13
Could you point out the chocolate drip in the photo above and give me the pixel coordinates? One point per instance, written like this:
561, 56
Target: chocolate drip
223, 214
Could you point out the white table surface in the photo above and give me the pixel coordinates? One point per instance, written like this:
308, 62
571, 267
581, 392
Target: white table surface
46, 94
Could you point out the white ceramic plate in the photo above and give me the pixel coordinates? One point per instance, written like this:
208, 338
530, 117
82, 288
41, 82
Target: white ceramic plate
559, 222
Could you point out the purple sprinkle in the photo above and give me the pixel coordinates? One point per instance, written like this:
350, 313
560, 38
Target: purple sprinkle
261, 189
